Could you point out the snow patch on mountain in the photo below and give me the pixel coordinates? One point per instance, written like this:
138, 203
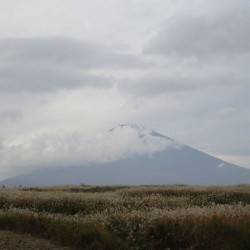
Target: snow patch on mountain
222, 165
133, 139
138, 135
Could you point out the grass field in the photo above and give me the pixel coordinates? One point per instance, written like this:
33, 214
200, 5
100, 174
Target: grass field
131, 217
16, 241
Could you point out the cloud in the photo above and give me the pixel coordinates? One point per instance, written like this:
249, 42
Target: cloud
223, 32
185, 78
151, 84
50, 63
227, 113
1, 143
202, 47
64, 50
62, 148
10, 116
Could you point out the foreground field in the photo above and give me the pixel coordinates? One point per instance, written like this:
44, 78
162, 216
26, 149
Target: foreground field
12, 241
126, 217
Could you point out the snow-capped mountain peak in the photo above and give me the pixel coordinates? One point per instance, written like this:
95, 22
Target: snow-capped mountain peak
140, 131
137, 139
128, 126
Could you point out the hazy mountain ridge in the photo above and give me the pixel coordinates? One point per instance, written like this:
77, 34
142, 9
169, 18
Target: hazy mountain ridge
171, 163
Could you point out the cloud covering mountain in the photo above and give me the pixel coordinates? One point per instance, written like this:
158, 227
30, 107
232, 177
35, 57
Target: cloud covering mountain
62, 149
139, 156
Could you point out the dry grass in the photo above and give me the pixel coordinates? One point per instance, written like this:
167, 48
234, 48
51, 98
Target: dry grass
132, 217
15, 241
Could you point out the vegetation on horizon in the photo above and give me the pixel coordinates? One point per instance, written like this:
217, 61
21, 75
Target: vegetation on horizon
131, 217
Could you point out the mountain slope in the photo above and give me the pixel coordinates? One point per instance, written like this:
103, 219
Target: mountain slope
155, 159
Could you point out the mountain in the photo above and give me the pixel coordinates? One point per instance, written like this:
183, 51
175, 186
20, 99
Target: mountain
145, 157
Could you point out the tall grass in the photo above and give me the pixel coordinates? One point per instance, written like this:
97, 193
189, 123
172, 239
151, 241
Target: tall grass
139, 217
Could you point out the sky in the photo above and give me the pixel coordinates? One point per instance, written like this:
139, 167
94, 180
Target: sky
70, 70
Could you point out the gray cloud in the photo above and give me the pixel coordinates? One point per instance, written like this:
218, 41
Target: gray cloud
225, 32
63, 50
47, 78
10, 116
155, 84
44, 64
186, 78
198, 49
1, 143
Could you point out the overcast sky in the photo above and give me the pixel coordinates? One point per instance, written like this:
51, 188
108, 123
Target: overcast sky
72, 69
